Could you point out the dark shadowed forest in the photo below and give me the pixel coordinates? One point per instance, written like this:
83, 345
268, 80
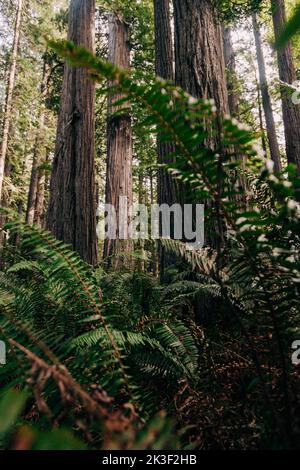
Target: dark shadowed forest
149, 225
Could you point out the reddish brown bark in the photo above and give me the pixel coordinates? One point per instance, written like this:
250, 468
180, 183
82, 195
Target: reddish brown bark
287, 74
200, 70
72, 205
119, 149
164, 66
199, 57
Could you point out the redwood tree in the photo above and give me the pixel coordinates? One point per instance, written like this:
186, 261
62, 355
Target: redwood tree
164, 67
119, 148
287, 74
72, 205
233, 98
200, 70
266, 100
199, 57
233, 95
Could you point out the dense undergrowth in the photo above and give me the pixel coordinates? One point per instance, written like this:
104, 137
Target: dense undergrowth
88, 352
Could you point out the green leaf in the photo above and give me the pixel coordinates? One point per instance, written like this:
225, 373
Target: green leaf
11, 406
58, 439
290, 29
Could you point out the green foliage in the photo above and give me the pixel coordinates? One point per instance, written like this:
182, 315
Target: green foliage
53, 310
39, 18
233, 9
11, 406
291, 28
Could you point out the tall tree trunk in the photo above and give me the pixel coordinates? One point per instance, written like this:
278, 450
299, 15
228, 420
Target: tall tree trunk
200, 70
233, 98
154, 260
9, 95
72, 205
119, 151
233, 95
266, 100
260, 116
142, 200
38, 152
42, 184
164, 66
164, 58
199, 57
287, 74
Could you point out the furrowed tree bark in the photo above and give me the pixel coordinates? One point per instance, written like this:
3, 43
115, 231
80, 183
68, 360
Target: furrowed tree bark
287, 74
164, 55
200, 70
199, 57
266, 100
72, 205
38, 153
9, 94
119, 153
164, 67
229, 56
